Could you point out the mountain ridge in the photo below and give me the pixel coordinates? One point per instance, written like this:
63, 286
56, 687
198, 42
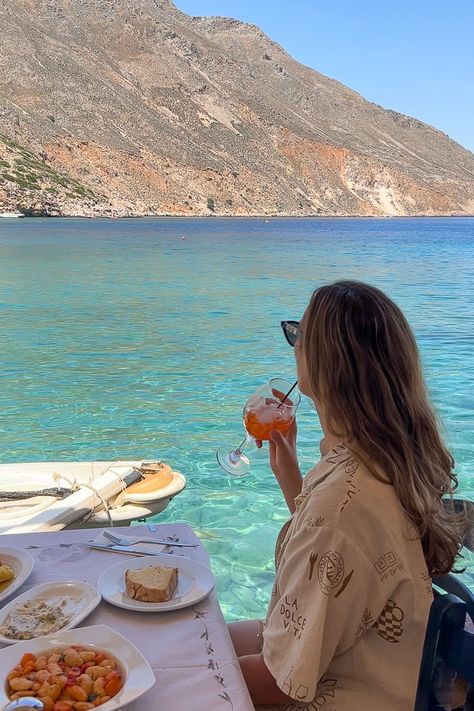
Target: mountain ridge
152, 111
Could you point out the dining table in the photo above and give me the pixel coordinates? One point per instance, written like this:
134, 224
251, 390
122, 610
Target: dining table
189, 649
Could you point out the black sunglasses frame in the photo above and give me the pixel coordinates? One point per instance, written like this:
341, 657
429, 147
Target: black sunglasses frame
291, 331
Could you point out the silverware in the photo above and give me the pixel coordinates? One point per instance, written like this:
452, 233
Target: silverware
126, 541
121, 549
27, 702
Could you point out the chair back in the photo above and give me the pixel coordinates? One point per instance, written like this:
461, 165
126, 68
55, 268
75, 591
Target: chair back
453, 584
448, 650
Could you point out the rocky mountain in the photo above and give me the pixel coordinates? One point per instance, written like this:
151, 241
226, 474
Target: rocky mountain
133, 107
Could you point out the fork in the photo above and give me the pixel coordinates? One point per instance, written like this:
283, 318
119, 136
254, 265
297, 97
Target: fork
126, 541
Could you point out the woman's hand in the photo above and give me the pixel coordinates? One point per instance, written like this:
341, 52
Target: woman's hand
282, 450
284, 463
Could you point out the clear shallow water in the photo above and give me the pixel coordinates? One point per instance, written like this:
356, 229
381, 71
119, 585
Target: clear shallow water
121, 339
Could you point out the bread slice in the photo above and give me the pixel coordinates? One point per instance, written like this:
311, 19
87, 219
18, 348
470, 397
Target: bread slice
155, 583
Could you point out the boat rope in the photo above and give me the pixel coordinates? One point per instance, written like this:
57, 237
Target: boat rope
131, 477
57, 477
59, 492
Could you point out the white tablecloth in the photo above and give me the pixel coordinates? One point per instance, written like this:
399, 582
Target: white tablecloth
189, 650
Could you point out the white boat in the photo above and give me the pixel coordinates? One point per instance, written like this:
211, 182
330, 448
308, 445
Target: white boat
11, 214
50, 496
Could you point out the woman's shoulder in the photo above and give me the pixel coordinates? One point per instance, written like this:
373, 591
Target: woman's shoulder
341, 489
327, 481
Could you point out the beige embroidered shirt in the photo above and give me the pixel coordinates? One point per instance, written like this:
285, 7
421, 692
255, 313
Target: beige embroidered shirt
347, 617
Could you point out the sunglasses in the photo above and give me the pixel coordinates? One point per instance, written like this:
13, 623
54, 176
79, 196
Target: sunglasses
292, 331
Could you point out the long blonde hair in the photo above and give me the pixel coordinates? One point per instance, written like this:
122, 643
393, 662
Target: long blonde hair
364, 369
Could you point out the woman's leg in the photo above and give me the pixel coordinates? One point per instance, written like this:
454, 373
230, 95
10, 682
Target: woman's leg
246, 636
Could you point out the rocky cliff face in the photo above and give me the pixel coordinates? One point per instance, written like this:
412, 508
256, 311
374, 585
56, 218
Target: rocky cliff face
132, 107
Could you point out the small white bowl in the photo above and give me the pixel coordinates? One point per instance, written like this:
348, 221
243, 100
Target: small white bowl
83, 599
22, 564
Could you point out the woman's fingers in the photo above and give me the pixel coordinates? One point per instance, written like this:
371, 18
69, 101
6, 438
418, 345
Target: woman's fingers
283, 457
281, 445
285, 440
293, 428
276, 437
281, 449
272, 455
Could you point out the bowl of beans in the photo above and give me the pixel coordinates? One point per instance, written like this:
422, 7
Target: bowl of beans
76, 676
73, 679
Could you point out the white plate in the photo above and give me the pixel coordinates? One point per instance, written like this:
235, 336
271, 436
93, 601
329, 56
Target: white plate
22, 563
84, 598
138, 674
195, 582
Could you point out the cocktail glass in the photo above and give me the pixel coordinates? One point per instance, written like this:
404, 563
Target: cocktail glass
267, 409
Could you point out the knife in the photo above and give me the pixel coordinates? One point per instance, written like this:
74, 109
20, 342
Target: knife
129, 550
162, 543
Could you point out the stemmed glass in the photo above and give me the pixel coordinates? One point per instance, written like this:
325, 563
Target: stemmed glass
269, 408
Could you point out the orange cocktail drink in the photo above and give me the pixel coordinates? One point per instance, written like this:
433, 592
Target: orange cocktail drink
263, 414
269, 408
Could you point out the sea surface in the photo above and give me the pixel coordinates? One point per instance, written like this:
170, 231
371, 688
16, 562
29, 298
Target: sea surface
143, 338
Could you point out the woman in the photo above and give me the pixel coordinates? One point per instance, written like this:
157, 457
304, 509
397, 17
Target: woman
346, 621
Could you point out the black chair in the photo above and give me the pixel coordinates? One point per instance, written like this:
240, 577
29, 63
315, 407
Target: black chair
448, 650
451, 583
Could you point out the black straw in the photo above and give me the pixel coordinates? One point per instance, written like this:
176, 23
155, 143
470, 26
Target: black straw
289, 391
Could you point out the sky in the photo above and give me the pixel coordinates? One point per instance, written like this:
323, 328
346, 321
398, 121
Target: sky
416, 57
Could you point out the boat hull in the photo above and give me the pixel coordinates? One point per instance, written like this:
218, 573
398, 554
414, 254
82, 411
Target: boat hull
99, 495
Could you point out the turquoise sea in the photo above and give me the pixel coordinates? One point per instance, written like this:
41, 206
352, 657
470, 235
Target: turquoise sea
142, 339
